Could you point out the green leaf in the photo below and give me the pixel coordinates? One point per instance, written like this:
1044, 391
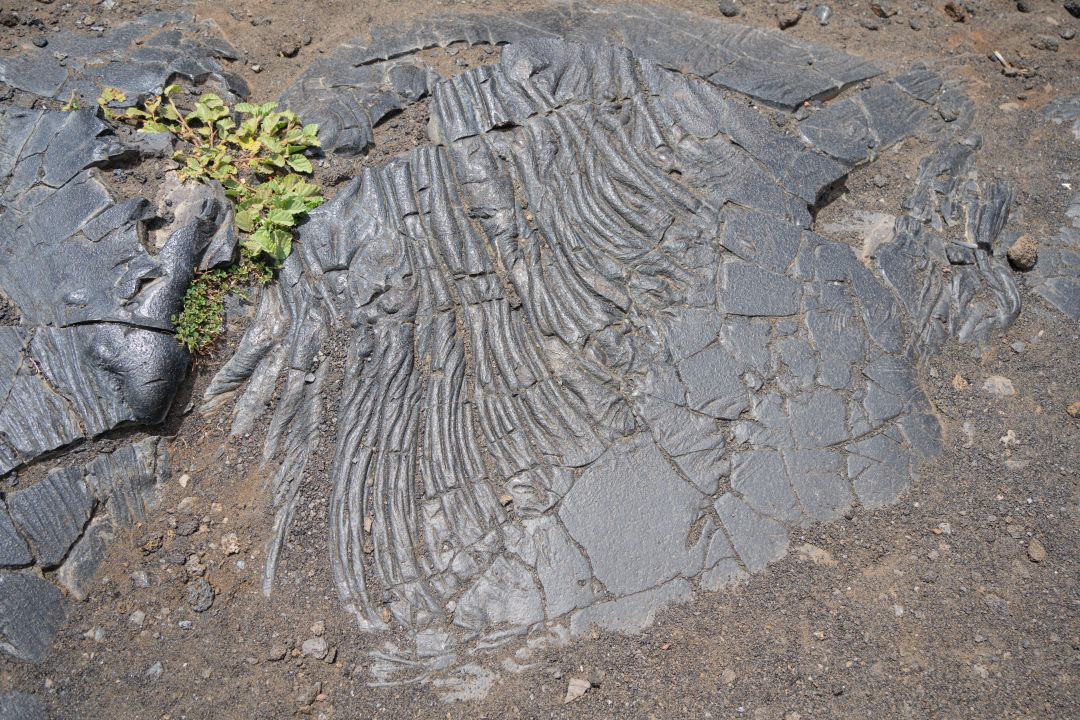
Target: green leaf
247, 108
299, 163
244, 221
267, 107
277, 216
292, 204
272, 144
169, 113
170, 89
153, 127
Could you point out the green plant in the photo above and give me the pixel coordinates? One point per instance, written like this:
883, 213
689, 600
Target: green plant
201, 318
71, 104
257, 154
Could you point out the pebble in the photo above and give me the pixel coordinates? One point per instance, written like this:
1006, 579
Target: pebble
1067, 33
39, 41
96, 634
999, 386
1035, 551
1025, 6
788, 18
187, 504
307, 696
186, 528
1074, 410
869, 24
823, 13
1019, 346
230, 543
194, 566
1073, 7
959, 383
256, 68
200, 595
314, 647
154, 671
140, 579
318, 628
137, 617
728, 8
277, 652
184, 480
882, 8
914, 24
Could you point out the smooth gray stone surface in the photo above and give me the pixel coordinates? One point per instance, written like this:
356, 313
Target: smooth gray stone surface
1056, 275
13, 549
20, 706
31, 613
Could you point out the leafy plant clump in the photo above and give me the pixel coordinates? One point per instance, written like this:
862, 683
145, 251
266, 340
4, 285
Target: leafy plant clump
257, 154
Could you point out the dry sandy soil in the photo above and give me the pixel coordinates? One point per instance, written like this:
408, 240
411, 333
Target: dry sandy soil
941, 606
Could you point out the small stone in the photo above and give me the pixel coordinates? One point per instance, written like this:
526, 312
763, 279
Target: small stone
277, 652
150, 544
1025, 6
314, 647
9, 19
869, 24
999, 386
256, 68
1023, 253
728, 8
823, 13
898, 610
1067, 33
959, 383
1045, 42
575, 688
200, 595
318, 628
882, 8
1018, 347
914, 24
39, 41
788, 18
97, 634
1074, 410
1073, 7
956, 11
308, 694
187, 504
186, 528
184, 480
290, 46
1035, 551
230, 543
137, 617
140, 579
880, 182
194, 566
154, 671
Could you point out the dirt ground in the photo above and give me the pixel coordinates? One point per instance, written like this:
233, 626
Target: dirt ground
941, 606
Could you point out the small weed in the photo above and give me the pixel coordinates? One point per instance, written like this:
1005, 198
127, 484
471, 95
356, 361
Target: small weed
71, 104
257, 154
201, 320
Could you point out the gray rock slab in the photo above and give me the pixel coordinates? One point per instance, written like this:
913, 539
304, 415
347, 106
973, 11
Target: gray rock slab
31, 613
757, 539
632, 613
21, 706
76, 575
13, 549
53, 513
652, 510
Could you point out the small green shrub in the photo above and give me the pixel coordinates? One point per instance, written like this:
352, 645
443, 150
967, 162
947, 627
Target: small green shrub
257, 154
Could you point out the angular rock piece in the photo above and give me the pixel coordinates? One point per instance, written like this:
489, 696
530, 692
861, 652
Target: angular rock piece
20, 706
31, 613
13, 549
632, 613
53, 513
77, 573
651, 511
757, 539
